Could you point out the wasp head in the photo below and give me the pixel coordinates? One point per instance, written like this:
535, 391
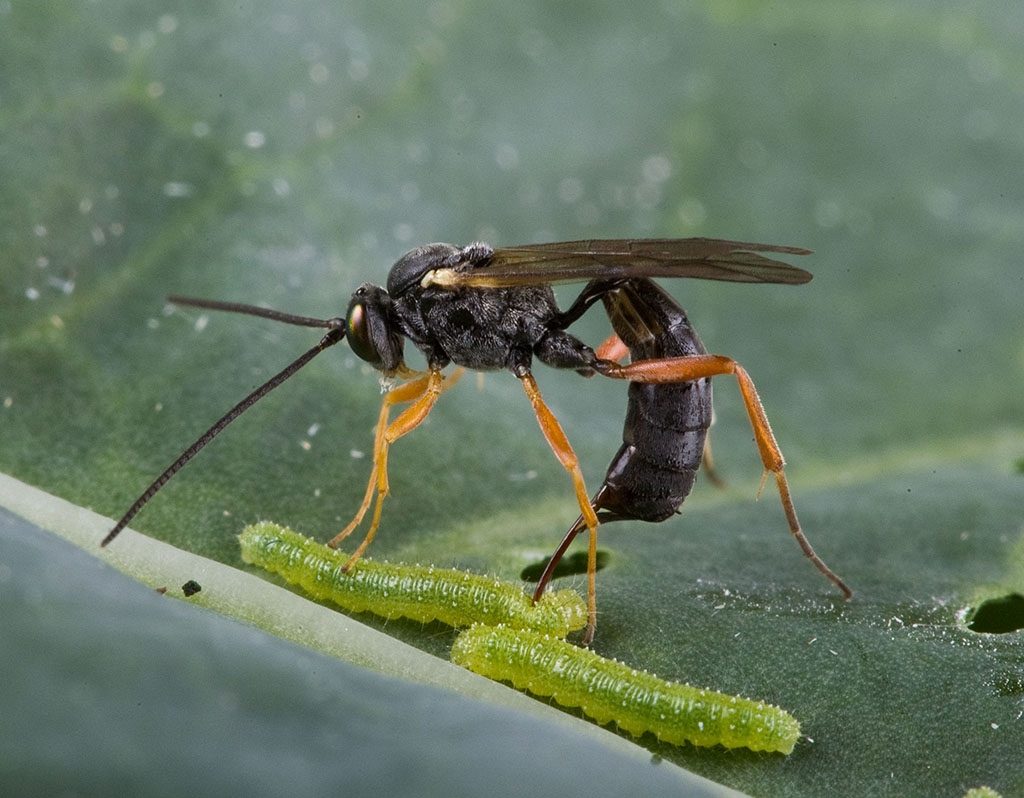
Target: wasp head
370, 330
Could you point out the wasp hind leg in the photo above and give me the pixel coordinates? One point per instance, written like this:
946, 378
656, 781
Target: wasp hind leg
695, 367
613, 348
423, 392
707, 460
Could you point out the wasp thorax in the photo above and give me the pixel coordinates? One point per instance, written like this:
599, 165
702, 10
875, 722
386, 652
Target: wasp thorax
410, 268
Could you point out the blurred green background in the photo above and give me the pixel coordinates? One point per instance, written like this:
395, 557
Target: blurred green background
284, 153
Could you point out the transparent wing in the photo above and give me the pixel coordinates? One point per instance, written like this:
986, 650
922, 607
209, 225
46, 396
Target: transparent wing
576, 261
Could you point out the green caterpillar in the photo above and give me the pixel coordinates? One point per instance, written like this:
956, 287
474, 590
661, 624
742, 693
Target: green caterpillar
423, 593
607, 690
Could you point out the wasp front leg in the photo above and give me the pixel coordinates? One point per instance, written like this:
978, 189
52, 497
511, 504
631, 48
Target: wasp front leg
423, 392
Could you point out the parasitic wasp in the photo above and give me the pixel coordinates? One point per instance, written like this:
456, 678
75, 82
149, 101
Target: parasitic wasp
486, 308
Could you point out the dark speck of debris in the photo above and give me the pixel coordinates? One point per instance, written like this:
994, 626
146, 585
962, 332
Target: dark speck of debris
190, 588
161, 590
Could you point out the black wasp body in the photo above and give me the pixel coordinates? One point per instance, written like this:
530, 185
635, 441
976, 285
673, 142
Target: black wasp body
666, 423
485, 309
483, 329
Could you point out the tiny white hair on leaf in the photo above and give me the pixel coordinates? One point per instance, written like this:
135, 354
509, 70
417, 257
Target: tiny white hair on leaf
607, 691
420, 592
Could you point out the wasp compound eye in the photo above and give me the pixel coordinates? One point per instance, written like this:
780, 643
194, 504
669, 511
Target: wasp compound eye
369, 327
357, 330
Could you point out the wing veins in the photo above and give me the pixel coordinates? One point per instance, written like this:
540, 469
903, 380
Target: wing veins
579, 261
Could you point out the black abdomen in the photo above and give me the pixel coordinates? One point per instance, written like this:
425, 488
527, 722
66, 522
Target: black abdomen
666, 424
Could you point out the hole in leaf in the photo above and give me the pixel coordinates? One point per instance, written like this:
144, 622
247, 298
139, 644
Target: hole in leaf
1009, 683
571, 565
999, 615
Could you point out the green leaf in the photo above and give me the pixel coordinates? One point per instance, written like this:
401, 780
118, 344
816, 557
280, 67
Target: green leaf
266, 153
125, 690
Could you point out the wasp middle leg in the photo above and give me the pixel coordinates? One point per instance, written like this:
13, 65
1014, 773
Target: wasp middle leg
559, 443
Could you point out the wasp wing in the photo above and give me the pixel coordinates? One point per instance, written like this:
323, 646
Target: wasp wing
576, 261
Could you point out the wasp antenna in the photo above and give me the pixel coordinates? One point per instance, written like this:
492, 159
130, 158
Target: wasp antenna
336, 334
251, 310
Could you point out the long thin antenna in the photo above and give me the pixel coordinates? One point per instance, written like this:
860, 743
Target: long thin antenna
335, 334
251, 310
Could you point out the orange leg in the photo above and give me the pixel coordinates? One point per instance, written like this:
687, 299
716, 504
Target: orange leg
707, 461
612, 348
683, 369
560, 445
423, 392
406, 392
